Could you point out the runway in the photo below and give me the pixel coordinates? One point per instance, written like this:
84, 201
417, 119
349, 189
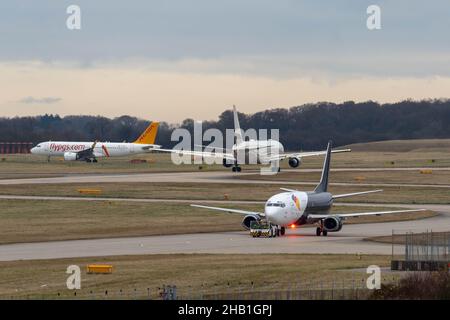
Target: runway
196, 177
350, 240
302, 240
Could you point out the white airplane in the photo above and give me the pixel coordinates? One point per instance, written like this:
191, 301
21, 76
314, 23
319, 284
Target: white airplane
294, 208
90, 151
263, 151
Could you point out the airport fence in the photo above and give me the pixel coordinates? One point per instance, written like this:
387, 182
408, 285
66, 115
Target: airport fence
341, 288
420, 250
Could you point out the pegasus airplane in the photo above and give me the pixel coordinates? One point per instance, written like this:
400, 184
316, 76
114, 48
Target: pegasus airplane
294, 208
90, 151
264, 151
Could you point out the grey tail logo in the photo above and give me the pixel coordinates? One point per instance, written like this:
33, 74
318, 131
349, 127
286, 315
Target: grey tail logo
323, 184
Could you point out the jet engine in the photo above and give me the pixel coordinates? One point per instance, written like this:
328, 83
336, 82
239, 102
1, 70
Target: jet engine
332, 224
248, 220
226, 164
294, 162
70, 156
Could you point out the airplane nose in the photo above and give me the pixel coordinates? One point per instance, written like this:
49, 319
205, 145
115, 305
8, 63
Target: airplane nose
33, 150
270, 212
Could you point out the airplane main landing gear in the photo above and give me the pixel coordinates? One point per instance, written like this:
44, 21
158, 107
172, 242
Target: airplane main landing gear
236, 169
320, 230
282, 231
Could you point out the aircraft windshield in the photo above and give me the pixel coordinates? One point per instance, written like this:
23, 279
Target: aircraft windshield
276, 204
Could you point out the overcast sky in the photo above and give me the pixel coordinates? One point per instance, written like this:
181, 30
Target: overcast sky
169, 60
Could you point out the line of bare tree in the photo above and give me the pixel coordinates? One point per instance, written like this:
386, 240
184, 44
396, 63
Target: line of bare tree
305, 127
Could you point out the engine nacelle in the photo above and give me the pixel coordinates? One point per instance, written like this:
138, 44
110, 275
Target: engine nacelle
294, 162
70, 156
332, 224
248, 220
226, 164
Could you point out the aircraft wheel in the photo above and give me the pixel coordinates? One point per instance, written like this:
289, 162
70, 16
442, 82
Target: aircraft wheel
95, 160
233, 169
283, 231
318, 232
324, 233
88, 160
238, 169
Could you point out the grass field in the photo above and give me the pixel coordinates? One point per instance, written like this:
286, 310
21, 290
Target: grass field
382, 177
217, 191
30, 221
439, 239
426, 145
388, 154
192, 274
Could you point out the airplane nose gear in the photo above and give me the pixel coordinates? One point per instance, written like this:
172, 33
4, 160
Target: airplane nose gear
320, 230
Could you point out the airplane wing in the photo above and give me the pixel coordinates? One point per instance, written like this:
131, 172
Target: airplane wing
205, 154
224, 150
337, 196
151, 147
87, 153
283, 156
347, 215
244, 212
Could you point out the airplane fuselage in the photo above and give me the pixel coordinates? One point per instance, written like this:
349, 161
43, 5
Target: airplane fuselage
102, 149
256, 151
292, 208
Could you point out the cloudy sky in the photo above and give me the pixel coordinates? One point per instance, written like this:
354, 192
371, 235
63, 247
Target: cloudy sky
174, 59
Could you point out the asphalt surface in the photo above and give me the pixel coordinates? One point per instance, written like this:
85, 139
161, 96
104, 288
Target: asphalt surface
302, 240
349, 240
198, 177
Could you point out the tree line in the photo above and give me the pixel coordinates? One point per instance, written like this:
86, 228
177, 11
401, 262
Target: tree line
305, 127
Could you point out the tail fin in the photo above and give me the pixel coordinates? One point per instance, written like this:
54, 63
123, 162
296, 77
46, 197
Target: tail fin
149, 135
323, 184
237, 127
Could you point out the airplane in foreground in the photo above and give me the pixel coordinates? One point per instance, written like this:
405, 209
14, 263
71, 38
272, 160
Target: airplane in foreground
295, 208
90, 151
264, 151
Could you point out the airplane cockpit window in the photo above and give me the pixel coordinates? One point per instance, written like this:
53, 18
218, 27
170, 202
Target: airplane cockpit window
276, 204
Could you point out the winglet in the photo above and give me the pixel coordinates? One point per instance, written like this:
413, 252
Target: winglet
149, 135
323, 184
237, 127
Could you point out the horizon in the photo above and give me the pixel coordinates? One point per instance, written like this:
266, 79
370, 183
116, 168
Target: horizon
314, 104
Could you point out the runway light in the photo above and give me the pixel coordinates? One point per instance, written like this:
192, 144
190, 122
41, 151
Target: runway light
292, 226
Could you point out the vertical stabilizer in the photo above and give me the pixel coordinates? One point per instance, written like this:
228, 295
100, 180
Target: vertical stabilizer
323, 184
149, 135
237, 127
